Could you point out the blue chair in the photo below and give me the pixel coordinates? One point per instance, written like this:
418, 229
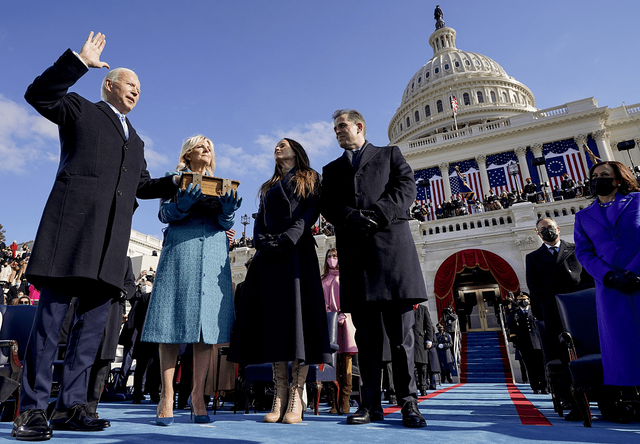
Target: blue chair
14, 335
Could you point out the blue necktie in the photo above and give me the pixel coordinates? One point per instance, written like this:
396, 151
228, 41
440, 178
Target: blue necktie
124, 126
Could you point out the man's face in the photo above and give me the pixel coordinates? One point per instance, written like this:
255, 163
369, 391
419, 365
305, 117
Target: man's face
544, 224
124, 92
350, 135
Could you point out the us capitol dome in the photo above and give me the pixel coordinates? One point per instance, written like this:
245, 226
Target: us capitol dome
482, 88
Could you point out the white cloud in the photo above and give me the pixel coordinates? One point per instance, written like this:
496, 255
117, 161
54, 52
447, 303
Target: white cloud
24, 137
155, 159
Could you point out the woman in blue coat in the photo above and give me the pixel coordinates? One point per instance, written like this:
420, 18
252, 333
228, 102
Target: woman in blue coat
607, 238
192, 297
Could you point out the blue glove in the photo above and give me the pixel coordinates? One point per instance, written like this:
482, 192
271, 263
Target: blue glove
186, 198
229, 203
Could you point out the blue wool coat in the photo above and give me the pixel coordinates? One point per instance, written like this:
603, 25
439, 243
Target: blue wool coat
609, 239
192, 292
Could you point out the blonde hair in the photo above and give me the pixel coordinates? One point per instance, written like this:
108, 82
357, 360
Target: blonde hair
188, 145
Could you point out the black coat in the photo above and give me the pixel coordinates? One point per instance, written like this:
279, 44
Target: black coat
522, 331
385, 265
281, 313
444, 354
548, 276
86, 224
111, 334
422, 332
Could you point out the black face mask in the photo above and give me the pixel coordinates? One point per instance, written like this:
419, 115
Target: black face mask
549, 234
523, 304
602, 186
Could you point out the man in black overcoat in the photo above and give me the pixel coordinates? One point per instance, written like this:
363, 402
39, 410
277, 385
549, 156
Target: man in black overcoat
554, 269
525, 338
81, 243
366, 195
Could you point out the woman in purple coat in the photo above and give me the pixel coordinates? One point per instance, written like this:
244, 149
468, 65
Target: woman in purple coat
607, 238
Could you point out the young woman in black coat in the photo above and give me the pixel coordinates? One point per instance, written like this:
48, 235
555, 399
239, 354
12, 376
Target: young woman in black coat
281, 314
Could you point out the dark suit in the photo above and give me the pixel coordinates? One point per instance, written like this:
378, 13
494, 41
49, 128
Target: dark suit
547, 276
81, 243
380, 275
523, 335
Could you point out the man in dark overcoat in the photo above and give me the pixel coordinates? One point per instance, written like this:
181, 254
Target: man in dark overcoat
82, 240
525, 338
553, 269
366, 195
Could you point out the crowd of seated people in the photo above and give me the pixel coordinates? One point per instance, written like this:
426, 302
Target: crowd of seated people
13, 263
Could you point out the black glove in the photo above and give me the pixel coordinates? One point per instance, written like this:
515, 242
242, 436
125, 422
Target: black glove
276, 242
363, 221
624, 281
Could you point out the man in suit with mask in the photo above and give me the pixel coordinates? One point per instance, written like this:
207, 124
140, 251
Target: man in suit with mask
554, 269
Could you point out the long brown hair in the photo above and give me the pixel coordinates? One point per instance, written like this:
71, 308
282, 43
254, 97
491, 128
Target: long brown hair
624, 175
326, 270
305, 179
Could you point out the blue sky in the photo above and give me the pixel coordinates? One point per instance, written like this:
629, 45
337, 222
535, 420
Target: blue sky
246, 73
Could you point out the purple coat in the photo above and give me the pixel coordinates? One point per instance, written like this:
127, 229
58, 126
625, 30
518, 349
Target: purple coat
609, 239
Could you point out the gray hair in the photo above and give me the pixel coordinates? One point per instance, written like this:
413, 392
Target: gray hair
353, 116
112, 75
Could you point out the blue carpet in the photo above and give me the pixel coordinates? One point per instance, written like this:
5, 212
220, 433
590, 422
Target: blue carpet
468, 413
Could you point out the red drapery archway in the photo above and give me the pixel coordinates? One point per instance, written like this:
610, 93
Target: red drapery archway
485, 260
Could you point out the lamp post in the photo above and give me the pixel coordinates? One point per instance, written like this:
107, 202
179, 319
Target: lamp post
514, 170
244, 220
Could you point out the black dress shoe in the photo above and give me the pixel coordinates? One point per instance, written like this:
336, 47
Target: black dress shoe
393, 399
76, 418
411, 416
573, 415
31, 425
376, 414
361, 416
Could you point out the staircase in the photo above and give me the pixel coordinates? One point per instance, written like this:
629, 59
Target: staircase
481, 358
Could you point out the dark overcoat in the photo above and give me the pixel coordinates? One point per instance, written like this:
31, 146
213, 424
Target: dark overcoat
281, 313
444, 354
608, 239
86, 224
421, 328
383, 266
549, 275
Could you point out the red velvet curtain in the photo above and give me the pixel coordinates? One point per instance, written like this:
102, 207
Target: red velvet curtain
485, 260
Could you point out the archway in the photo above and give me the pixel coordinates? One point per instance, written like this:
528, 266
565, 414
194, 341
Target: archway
486, 261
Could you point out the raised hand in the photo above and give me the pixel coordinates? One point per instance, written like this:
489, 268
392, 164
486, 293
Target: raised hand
186, 198
91, 50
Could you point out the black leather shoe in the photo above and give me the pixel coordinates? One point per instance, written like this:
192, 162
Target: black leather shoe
411, 416
393, 400
573, 415
376, 414
31, 425
76, 418
361, 416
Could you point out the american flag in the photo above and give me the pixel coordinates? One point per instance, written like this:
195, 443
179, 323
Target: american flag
231, 234
563, 157
469, 171
497, 170
434, 193
454, 104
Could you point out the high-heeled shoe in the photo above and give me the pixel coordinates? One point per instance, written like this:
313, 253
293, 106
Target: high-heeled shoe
166, 421
198, 419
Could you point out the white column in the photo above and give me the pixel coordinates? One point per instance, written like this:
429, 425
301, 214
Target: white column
521, 154
602, 141
581, 141
484, 177
536, 149
444, 172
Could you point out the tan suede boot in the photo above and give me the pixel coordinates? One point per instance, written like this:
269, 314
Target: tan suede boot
281, 396
346, 362
295, 410
332, 393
